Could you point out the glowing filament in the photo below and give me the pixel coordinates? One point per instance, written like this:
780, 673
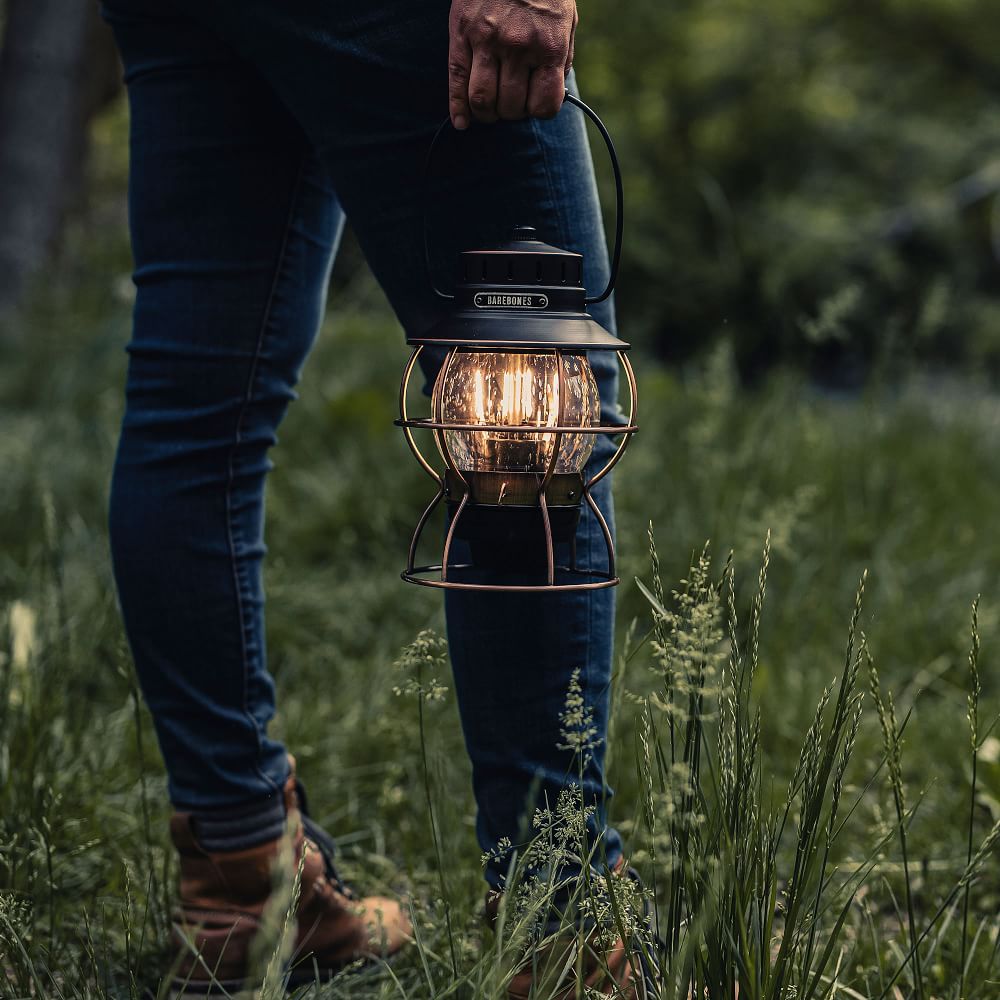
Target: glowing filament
496, 389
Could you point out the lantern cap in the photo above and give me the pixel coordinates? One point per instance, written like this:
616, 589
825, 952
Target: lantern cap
521, 294
520, 234
524, 239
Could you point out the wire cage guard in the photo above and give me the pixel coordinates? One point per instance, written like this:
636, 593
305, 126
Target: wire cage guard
442, 574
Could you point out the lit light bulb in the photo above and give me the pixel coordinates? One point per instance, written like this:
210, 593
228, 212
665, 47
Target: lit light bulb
516, 389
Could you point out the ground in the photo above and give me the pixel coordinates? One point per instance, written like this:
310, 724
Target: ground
900, 480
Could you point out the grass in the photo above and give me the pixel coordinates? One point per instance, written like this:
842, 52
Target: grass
810, 819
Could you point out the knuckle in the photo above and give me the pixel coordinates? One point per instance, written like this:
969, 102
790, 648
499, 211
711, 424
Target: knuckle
513, 36
544, 110
551, 49
546, 98
460, 23
482, 31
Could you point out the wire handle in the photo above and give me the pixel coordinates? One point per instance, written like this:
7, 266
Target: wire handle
568, 98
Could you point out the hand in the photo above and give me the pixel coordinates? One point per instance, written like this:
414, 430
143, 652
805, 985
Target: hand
508, 58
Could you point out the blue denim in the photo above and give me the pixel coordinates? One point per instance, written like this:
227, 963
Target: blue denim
257, 126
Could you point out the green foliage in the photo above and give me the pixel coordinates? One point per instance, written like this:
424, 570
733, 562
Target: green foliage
815, 180
789, 183
772, 846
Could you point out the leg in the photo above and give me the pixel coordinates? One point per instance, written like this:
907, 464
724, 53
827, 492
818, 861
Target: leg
514, 655
234, 225
369, 87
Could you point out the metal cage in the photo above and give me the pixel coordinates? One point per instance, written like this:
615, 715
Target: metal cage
442, 574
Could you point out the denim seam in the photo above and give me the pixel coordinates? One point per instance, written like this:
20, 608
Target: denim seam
588, 596
593, 529
558, 212
231, 529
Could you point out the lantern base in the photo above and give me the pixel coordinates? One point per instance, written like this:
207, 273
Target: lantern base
512, 537
495, 544
502, 522
430, 576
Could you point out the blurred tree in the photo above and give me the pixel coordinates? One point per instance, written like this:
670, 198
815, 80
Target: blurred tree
815, 179
57, 68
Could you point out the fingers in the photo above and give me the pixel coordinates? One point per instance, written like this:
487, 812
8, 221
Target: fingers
459, 71
572, 44
484, 85
508, 61
509, 89
545, 91
512, 96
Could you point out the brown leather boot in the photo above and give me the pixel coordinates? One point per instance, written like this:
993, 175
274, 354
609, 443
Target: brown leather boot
566, 967
223, 896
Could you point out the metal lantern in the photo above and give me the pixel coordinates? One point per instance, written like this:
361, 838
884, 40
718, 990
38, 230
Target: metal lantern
515, 414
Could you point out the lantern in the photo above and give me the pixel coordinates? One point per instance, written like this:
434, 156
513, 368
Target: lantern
515, 414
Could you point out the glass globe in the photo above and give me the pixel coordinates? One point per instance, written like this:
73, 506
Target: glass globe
519, 389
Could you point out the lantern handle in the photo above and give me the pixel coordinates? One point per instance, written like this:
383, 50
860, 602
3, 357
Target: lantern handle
423, 208
568, 98
619, 198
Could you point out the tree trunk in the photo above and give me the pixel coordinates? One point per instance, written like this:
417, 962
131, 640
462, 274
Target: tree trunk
54, 74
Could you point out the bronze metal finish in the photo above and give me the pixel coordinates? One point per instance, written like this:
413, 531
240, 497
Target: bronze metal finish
517, 489
543, 492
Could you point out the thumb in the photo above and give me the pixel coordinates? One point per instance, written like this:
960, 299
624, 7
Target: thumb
459, 70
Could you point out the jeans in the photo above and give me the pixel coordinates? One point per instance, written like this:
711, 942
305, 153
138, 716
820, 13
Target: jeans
257, 127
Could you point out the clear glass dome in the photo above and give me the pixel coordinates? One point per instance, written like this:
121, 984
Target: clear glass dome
490, 388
